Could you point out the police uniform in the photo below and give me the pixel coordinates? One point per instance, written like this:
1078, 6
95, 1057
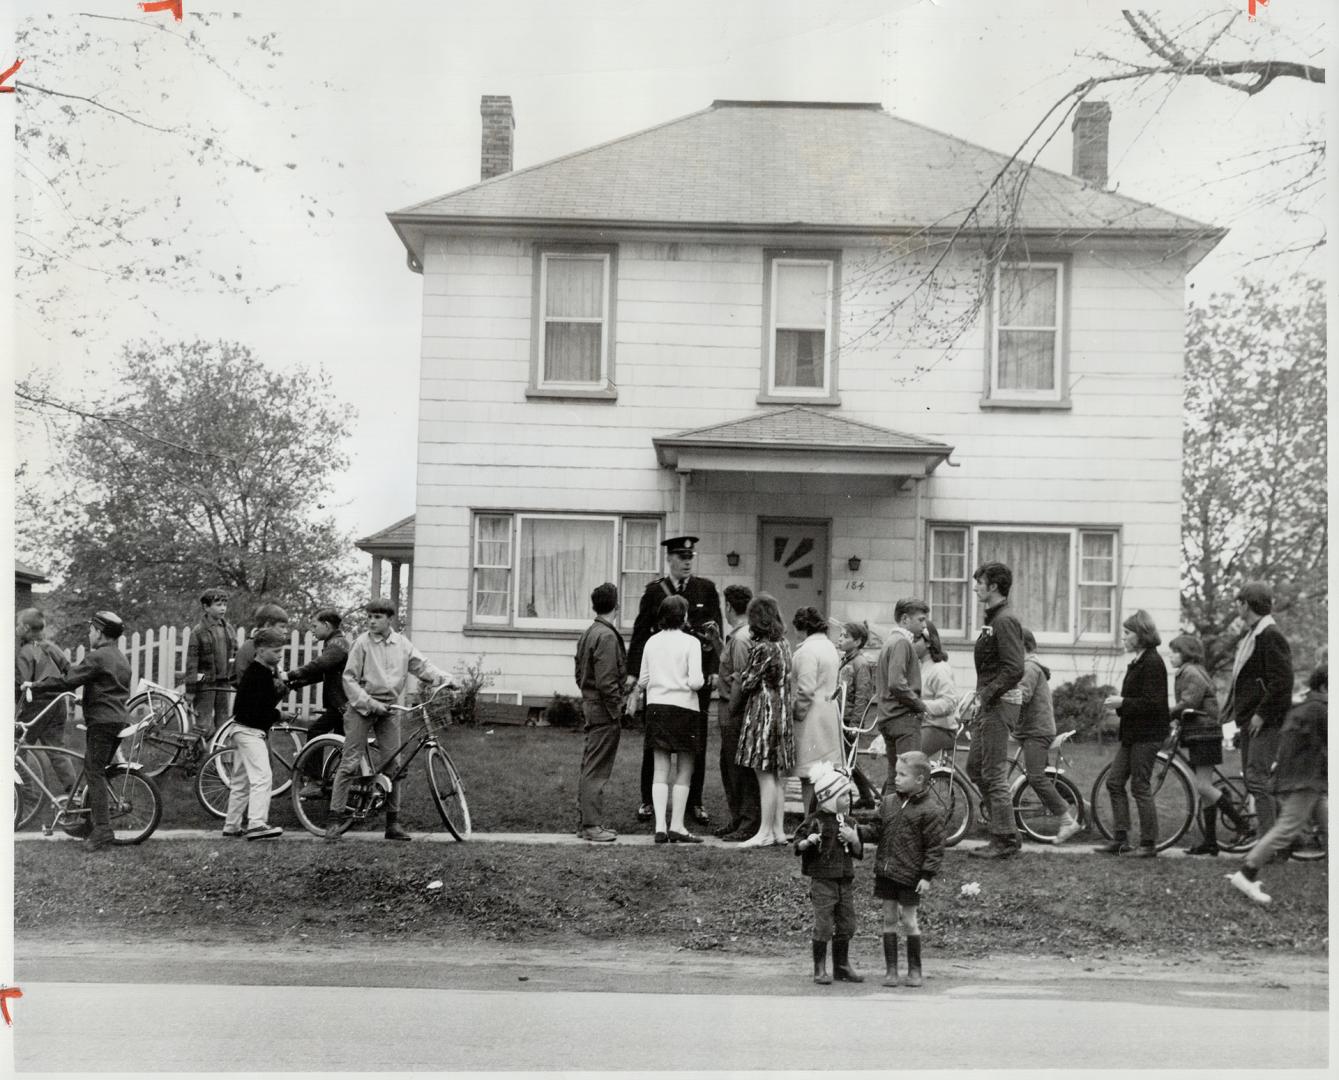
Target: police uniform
704, 606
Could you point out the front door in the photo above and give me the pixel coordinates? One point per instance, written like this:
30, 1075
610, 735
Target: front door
794, 561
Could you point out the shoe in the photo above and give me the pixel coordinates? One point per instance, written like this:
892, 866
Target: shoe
598, 834
683, 838
310, 791
645, 812
1202, 848
699, 815
994, 850
1252, 889
263, 832
233, 833
1143, 851
1116, 847
725, 830
98, 840
662, 838
336, 828
1066, 830
395, 831
736, 836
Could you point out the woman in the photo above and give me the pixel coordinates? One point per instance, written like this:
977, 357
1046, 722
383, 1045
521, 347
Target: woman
671, 675
766, 736
1144, 726
939, 725
817, 725
856, 674
1034, 732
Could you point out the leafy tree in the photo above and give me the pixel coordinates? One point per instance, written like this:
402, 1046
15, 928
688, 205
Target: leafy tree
1255, 505
207, 469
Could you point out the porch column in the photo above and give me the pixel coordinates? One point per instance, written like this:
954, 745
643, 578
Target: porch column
683, 500
376, 577
395, 583
409, 598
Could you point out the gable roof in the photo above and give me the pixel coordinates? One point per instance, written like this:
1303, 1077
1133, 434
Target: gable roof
394, 537
801, 166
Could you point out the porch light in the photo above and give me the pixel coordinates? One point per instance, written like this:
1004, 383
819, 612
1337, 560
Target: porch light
854, 563
732, 559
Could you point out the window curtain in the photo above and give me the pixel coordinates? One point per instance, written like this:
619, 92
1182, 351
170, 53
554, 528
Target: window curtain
801, 318
641, 564
1040, 563
1027, 356
559, 563
948, 585
574, 289
799, 358
492, 579
1097, 591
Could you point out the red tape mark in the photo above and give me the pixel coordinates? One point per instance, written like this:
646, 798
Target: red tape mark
7, 992
173, 6
4, 77
1250, 8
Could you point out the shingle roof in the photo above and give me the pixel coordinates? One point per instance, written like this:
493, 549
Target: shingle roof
399, 535
28, 574
787, 165
799, 427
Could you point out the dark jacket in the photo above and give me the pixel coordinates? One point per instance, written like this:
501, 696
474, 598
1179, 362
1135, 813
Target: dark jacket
897, 686
1143, 713
1036, 716
704, 606
105, 676
998, 655
910, 835
829, 859
328, 670
258, 697
1304, 747
1265, 683
601, 665
34, 662
210, 655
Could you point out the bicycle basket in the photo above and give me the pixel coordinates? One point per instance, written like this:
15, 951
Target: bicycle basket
439, 711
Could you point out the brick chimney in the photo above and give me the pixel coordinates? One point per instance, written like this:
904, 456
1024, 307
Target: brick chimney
1091, 122
498, 128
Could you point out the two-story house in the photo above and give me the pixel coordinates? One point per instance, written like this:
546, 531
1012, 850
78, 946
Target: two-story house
763, 324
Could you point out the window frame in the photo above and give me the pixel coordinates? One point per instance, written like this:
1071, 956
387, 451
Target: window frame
826, 394
1058, 397
604, 386
1075, 635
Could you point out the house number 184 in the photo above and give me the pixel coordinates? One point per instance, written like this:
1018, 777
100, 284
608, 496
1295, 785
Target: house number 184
855, 586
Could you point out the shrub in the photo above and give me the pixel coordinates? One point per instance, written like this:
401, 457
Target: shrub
1078, 707
469, 677
563, 712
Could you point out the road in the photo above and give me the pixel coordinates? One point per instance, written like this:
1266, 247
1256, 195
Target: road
491, 1008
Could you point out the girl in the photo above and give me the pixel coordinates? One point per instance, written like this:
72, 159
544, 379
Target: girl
939, 725
856, 673
671, 675
1035, 730
1144, 724
817, 726
766, 736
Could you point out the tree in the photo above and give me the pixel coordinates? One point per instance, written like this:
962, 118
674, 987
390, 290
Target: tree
207, 469
1255, 503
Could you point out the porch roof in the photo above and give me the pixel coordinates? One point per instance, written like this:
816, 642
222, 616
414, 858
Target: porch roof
801, 439
393, 542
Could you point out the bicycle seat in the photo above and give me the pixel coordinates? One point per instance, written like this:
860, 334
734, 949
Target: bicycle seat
1061, 739
130, 730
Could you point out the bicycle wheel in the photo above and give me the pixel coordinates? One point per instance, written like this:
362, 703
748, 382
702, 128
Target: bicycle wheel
165, 739
954, 798
285, 745
212, 782
1031, 814
134, 806
1234, 790
27, 795
448, 793
1173, 797
311, 798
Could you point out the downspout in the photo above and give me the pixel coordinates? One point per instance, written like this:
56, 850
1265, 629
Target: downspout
683, 499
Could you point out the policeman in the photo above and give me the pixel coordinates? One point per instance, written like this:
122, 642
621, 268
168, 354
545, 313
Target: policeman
704, 623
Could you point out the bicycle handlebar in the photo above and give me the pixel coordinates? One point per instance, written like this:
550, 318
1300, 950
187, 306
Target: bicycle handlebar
445, 684
24, 726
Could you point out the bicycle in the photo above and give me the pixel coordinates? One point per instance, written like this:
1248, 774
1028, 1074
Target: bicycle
134, 804
1178, 804
368, 791
212, 780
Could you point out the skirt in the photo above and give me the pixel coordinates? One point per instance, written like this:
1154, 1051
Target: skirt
671, 728
1204, 751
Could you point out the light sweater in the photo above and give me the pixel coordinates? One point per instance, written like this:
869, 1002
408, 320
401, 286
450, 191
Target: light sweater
672, 669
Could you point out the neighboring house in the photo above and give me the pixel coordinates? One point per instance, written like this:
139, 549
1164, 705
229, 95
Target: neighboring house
24, 579
685, 330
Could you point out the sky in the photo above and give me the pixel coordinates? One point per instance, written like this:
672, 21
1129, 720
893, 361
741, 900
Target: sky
372, 107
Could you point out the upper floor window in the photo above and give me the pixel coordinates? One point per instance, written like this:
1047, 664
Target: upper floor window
800, 337
1027, 333
573, 336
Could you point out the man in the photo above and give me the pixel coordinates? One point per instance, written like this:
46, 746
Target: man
601, 667
897, 684
328, 670
741, 784
210, 657
1259, 694
999, 669
378, 667
105, 676
704, 623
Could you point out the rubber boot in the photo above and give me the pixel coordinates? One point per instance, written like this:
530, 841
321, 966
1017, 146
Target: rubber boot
913, 960
821, 975
394, 830
890, 960
1232, 816
842, 970
1208, 845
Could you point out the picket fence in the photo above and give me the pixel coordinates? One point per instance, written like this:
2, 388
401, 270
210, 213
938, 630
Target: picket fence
160, 656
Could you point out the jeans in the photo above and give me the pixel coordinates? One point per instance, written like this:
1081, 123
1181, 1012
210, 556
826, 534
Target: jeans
100, 745
50, 731
1295, 810
834, 908
250, 780
603, 732
357, 727
1134, 763
988, 768
1258, 752
213, 709
900, 736
741, 784
1036, 753
331, 721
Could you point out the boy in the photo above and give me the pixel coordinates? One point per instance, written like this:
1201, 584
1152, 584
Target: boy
826, 842
104, 673
897, 682
328, 670
910, 835
601, 664
210, 656
378, 667
267, 617
256, 711
35, 660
